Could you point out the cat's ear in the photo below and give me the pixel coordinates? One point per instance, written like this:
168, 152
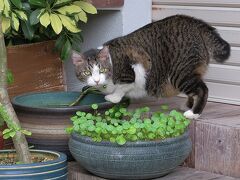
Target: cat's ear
103, 55
77, 58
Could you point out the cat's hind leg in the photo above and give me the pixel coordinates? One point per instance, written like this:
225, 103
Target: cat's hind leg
198, 89
187, 105
190, 102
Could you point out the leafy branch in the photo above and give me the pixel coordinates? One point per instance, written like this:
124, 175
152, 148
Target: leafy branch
39, 20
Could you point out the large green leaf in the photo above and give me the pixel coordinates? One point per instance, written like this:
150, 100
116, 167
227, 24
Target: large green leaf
21, 14
35, 16
6, 24
15, 22
66, 51
1, 5
6, 10
40, 3
69, 9
61, 2
17, 3
87, 7
82, 16
45, 19
56, 23
27, 29
69, 24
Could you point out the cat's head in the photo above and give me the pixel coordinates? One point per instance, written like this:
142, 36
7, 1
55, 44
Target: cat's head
93, 67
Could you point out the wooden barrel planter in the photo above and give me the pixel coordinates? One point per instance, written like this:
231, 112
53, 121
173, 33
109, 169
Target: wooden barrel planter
47, 115
54, 166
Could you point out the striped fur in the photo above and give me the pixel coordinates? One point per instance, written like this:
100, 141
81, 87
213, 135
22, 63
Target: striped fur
175, 53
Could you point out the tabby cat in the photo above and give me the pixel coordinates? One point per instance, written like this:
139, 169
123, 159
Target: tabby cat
161, 59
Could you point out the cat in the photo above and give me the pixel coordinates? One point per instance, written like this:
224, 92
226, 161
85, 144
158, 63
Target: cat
161, 59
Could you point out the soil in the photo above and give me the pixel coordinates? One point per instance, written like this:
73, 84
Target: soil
10, 159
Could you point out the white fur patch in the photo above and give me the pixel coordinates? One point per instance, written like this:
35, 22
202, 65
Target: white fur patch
189, 114
114, 98
100, 47
96, 77
138, 90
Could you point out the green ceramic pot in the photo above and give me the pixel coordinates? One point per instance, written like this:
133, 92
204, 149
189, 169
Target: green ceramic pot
53, 169
47, 114
134, 160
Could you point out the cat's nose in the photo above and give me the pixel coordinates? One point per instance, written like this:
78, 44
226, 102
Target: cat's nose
97, 81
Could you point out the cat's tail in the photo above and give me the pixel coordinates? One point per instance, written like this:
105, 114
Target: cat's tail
219, 49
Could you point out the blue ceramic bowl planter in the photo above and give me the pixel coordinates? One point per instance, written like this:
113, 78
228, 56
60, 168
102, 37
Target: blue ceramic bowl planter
133, 160
53, 169
47, 114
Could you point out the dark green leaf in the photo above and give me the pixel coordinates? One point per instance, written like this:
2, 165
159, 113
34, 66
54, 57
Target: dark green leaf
26, 6
28, 30
76, 45
1, 121
59, 3
10, 78
66, 51
17, 3
60, 42
40, 3
34, 16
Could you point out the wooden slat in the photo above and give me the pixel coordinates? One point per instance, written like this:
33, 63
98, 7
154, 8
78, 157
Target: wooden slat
225, 93
213, 15
223, 74
76, 172
234, 59
230, 34
215, 3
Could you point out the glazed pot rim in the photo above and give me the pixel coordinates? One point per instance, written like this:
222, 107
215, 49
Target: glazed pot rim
71, 109
61, 158
88, 140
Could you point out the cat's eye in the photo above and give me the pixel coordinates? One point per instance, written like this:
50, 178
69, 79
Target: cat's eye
87, 73
103, 70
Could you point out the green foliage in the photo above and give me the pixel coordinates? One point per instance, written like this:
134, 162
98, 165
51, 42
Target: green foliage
118, 125
10, 78
27, 21
12, 129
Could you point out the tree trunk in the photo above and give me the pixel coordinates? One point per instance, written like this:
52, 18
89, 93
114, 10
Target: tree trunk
19, 140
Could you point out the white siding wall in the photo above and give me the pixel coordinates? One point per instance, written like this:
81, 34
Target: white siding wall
223, 80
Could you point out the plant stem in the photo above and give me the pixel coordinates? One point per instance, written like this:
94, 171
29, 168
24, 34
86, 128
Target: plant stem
83, 94
19, 140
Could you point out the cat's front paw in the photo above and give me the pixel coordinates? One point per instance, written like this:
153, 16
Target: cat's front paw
190, 115
113, 98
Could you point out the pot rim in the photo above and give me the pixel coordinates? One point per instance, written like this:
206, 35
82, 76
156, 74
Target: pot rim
21, 107
61, 158
30, 44
88, 140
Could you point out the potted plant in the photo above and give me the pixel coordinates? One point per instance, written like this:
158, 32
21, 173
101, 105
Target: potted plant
119, 144
23, 163
54, 108
32, 29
